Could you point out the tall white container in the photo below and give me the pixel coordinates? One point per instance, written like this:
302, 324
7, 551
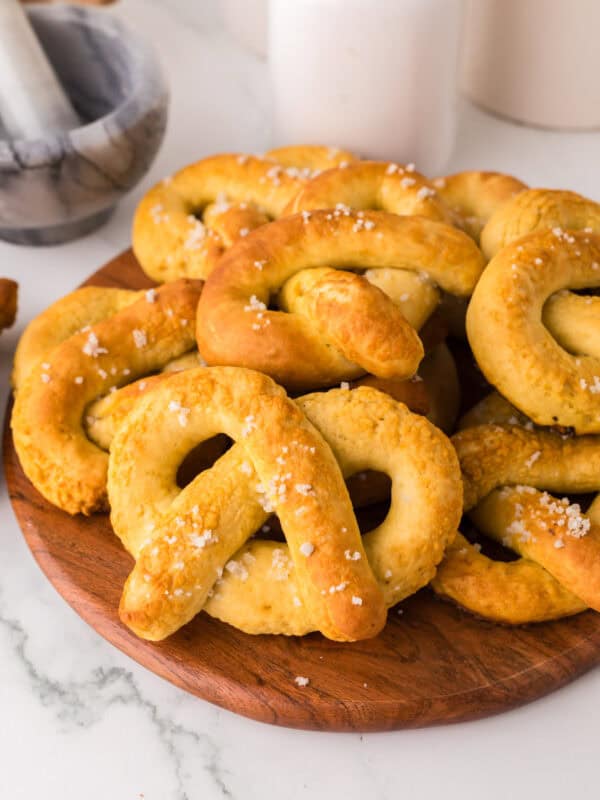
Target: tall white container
375, 76
537, 61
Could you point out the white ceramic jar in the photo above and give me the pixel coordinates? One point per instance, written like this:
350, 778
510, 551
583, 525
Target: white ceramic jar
375, 76
537, 61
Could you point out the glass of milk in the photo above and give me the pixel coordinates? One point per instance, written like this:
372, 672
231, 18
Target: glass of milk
378, 77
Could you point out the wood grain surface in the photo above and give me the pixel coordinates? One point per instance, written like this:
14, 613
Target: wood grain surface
432, 664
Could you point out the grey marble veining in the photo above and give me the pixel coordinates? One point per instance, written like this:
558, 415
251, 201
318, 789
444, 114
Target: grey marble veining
64, 185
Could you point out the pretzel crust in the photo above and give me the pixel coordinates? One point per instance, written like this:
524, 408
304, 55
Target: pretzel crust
283, 590
375, 185
475, 196
558, 573
47, 420
285, 345
513, 348
537, 210
86, 306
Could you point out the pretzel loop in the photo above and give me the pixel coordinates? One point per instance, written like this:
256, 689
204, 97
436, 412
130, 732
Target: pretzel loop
48, 415
516, 352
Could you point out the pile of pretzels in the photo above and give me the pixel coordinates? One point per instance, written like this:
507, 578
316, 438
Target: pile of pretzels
292, 365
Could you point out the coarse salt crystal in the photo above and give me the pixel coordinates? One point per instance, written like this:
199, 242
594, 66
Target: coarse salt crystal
196, 235
307, 549
300, 680
304, 489
92, 347
139, 337
425, 192
533, 458
356, 601
249, 425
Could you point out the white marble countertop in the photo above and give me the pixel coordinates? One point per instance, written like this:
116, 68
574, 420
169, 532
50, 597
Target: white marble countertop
80, 720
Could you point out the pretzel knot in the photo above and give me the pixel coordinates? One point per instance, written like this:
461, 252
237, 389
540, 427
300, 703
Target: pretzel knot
558, 572
48, 419
339, 324
192, 546
184, 224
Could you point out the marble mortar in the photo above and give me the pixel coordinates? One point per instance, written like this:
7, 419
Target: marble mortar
63, 186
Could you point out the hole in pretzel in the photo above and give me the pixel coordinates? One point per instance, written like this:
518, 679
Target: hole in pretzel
370, 494
202, 457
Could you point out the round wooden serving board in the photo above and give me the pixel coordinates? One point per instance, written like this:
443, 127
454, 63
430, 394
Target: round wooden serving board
432, 664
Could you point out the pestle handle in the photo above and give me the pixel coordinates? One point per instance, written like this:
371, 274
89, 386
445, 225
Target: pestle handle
32, 101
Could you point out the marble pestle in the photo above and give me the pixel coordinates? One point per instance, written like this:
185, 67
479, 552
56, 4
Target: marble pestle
32, 100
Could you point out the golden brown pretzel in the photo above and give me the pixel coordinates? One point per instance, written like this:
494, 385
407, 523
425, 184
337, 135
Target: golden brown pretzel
47, 419
183, 540
235, 326
537, 210
513, 348
184, 224
559, 570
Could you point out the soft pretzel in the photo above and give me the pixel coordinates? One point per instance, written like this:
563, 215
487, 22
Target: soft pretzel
8, 302
47, 419
559, 570
537, 210
513, 348
184, 224
474, 195
191, 545
235, 325
85, 306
